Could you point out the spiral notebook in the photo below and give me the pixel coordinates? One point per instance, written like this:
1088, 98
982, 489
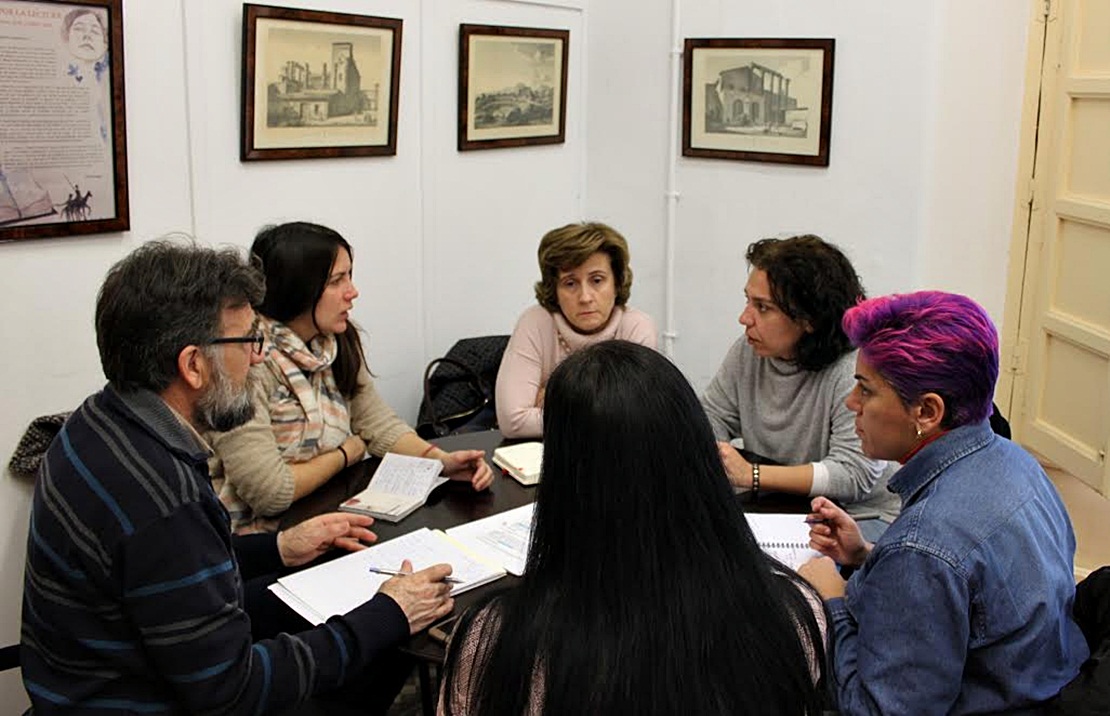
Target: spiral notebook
784, 537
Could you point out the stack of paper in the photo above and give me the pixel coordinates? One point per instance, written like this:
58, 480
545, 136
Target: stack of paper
338, 586
521, 461
501, 539
784, 537
400, 485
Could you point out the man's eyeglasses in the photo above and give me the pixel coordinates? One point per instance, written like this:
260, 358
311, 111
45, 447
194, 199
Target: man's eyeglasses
256, 341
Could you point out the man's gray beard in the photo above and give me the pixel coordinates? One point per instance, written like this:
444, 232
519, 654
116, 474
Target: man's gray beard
223, 406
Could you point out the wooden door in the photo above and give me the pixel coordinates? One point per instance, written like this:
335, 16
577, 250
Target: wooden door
1056, 371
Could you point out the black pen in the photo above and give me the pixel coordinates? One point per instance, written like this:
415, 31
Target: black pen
857, 518
399, 573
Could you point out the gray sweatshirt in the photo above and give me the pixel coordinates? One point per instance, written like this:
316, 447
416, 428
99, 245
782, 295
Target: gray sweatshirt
795, 416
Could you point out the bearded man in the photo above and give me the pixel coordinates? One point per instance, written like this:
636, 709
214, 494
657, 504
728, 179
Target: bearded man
137, 597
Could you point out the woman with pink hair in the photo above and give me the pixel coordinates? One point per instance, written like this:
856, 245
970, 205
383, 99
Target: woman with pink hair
964, 604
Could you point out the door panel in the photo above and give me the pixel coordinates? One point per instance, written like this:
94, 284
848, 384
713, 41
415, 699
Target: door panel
1063, 399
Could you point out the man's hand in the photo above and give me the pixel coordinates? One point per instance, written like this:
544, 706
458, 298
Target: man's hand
738, 469
469, 465
835, 534
423, 596
821, 573
305, 542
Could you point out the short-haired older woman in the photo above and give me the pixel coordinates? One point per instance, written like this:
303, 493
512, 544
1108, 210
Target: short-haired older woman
964, 604
616, 613
781, 388
585, 282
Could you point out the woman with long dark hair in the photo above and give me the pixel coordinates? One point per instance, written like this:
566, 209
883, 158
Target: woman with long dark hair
316, 408
645, 591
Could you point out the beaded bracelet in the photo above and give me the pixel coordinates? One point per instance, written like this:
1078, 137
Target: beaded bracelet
755, 478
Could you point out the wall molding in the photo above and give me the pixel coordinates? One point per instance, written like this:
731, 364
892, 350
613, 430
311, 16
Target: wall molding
564, 4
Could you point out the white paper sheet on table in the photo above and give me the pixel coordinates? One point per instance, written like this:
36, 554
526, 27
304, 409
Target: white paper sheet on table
338, 586
501, 538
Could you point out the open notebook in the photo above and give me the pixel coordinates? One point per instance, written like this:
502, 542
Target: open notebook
784, 537
400, 485
502, 538
338, 586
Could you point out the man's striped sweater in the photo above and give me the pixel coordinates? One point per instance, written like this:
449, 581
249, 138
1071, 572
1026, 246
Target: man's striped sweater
133, 593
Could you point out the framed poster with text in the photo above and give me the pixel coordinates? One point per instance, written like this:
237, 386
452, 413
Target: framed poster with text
63, 146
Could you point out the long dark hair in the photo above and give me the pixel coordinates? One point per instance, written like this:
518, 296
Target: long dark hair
812, 281
645, 591
297, 258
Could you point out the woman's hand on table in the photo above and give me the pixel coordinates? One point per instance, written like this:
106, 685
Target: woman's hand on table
468, 465
355, 449
738, 469
821, 573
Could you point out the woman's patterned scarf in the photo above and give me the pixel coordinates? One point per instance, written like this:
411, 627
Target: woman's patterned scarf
308, 414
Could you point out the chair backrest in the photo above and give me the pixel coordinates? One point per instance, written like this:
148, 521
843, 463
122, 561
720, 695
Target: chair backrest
999, 424
35, 442
459, 386
9, 657
1089, 692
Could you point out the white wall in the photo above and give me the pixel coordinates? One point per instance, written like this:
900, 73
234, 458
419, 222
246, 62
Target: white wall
48, 287
918, 191
423, 224
921, 173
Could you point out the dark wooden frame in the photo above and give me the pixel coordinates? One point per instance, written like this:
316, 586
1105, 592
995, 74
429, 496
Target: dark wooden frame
826, 46
251, 104
122, 220
465, 33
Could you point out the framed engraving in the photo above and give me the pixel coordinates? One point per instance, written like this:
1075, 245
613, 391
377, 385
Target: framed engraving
760, 100
318, 84
63, 143
512, 86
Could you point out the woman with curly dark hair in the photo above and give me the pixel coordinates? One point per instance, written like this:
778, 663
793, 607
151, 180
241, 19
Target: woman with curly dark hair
782, 386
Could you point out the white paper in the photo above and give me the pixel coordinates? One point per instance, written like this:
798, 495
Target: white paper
503, 537
405, 475
338, 586
784, 537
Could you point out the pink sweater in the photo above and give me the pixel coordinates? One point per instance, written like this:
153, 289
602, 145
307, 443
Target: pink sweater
535, 349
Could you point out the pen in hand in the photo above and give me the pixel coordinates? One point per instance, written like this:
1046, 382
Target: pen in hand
399, 573
856, 517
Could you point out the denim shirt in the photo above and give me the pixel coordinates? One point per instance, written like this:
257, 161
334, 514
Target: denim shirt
964, 605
